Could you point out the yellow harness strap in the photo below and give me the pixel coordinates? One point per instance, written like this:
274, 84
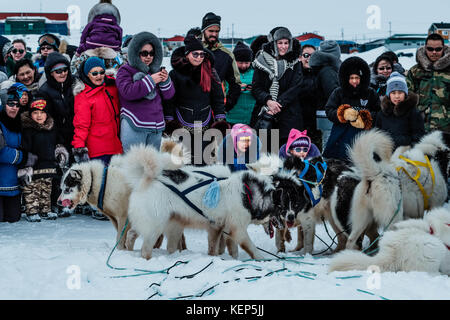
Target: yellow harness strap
418, 164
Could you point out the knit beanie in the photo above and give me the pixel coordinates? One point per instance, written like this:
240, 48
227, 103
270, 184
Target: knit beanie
242, 52
240, 131
93, 62
396, 82
298, 139
210, 19
38, 103
192, 44
330, 47
17, 89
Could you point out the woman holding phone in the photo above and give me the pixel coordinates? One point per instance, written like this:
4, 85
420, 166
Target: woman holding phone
143, 85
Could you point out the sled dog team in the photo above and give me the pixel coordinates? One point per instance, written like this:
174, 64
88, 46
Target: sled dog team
393, 197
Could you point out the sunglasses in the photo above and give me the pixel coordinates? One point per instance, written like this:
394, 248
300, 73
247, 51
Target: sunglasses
438, 49
384, 68
145, 53
96, 73
17, 50
306, 55
47, 48
59, 71
198, 54
301, 149
13, 104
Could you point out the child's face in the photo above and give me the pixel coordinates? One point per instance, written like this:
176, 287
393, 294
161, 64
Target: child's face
300, 152
243, 145
39, 116
354, 80
397, 97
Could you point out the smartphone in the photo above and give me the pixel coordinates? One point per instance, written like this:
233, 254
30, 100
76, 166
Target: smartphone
162, 68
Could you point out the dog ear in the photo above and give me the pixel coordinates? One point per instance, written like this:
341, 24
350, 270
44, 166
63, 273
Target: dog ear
76, 174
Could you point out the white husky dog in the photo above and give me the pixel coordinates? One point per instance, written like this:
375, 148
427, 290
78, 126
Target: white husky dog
155, 208
376, 199
412, 245
434, 182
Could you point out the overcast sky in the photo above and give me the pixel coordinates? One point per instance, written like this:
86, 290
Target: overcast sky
169, 17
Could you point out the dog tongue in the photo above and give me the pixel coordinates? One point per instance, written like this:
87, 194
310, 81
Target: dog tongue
66, 203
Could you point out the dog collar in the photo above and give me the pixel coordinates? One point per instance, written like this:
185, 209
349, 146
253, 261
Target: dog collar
432, 233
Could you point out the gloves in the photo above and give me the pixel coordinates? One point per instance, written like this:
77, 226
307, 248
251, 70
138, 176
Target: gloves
25, 176
61, 155
364, 120
171, 126
358, 123
350, 114
80, 154
346, 113
31, 159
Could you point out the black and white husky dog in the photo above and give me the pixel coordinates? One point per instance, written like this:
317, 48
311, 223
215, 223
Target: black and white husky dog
166, 202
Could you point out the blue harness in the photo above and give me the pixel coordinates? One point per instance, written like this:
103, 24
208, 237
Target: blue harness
319, 182
101, 194
182, 194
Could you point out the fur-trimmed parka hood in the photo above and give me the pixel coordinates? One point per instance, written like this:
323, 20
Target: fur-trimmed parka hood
104, 7
354, 65
442, 64
321, 59
135, 46
388, 108
292, 54
28, 122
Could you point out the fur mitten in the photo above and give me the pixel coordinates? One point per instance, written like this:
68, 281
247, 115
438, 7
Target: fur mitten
171, 126
25, 176
346, 113
140, 77
366, 118
80, 154
222, 126
61, 155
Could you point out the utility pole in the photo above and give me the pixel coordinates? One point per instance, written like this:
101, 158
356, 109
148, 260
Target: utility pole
390, 28
232, 36
342, 33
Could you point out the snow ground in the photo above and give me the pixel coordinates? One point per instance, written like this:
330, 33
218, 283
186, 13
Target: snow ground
67, 259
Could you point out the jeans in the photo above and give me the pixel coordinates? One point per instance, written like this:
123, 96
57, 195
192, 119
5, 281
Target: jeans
131, 136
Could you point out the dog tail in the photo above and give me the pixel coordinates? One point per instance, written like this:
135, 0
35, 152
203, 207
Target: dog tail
431, 143
348, 260
370, 151
144, 163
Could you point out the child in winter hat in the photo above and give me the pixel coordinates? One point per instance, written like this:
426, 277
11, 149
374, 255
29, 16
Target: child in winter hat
40, 138
299, 145
103, 28
242, 137
396, 82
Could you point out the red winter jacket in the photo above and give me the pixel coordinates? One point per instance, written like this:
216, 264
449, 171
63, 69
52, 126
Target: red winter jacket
97, 120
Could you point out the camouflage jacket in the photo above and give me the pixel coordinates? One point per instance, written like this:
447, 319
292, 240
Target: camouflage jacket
431, 81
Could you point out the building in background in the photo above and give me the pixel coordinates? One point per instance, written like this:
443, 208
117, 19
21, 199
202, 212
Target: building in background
405, 41
442, 28
310, 39
23, 23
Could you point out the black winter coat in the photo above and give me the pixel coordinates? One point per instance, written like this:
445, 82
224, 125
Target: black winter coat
403, 122
60, 100
362, 98
308, 97
289, 88
190, 102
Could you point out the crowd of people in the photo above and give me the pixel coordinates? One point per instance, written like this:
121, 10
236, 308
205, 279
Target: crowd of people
60, 106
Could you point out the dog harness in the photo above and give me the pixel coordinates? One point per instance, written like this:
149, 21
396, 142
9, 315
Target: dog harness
320, 177
418, 164
182, 194
432, 233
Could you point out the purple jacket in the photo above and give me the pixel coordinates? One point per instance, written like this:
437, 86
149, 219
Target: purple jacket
141, 99
103, 31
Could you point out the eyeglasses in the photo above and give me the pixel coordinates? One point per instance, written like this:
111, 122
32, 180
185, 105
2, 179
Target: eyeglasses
438, 49
59, 71
145, 53
301, 149
17, 50
12, 104
385, 68
198, 54
306, 55
47, 48
96, 73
